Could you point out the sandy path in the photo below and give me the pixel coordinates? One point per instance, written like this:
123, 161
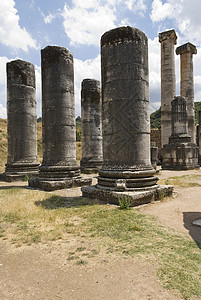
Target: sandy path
43, 271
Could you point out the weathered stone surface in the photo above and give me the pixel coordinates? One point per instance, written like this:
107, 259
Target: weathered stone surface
186, 52
199, 137
92, 154
136, 198
154, 154
168, 81
21, 121
59, 168
126, 168
180, 153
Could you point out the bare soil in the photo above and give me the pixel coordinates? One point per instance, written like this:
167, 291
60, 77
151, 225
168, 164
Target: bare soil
44, 272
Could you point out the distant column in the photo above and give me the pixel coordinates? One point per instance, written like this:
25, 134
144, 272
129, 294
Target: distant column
22, 121
59, 168
199, 137
186, 52
168, 81
92, 157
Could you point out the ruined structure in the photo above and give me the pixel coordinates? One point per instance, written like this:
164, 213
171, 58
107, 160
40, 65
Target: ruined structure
180, 153
92, 155
21, 122
186, 52
126, 168
59, 168
168, 81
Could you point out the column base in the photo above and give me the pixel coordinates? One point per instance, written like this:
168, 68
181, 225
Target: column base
20, 171
178, 157
136, 198
48, 184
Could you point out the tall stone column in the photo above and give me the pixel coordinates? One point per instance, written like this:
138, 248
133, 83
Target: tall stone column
59, 168
92, 154
21, 121
199, 137
125, 118
168, 81
186, 52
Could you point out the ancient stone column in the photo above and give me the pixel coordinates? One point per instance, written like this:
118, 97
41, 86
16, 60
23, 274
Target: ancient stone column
199, 137
186, 52
59, 168
22, 121
168, 82
92, 154
180, 153
125, 119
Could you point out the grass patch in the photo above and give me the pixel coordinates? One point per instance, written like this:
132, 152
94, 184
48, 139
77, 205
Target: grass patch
184, 181
28, 216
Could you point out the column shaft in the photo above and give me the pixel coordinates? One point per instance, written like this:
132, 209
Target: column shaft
92, 156
186, 52
168, 81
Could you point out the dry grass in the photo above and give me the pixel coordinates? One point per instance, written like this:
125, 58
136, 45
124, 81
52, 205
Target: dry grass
30, 216
184, 181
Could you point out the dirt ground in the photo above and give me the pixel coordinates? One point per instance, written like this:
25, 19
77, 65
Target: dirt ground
44, 272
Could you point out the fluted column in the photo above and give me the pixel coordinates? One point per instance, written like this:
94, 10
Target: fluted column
168, 81
186, 52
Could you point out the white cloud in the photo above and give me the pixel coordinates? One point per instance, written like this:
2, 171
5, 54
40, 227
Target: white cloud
87, 21
161, 11
125, 22
137, 6
11, 34
85, 69
48, 19
184, 13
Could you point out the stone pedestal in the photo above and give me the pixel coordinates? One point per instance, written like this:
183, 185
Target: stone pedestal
21, 122
180, 153
168, 81
59, 168
92, 154
126, 165
186, 52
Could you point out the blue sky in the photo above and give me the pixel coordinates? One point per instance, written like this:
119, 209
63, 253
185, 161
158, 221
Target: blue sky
26, 26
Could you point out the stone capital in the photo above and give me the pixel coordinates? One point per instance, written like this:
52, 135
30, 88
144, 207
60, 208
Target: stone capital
186, 48
168, 35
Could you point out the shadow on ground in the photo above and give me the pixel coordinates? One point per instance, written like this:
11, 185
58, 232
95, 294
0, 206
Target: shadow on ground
10, 187
194, 230
56, 202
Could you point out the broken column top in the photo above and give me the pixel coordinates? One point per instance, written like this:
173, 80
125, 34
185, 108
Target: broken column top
168, 35
122, 34
54, 54
90, 84
21, 72
188, 47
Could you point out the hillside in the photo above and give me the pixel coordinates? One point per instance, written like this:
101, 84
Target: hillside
155, 117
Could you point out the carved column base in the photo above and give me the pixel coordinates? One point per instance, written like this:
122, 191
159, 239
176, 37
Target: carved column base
58, 177
20, 171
